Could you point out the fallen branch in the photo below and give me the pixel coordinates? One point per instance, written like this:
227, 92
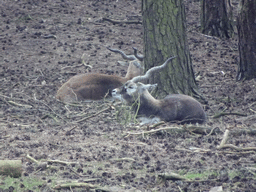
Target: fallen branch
12, 168
225, 113
71, 185
224, 145
238, 148
172, 176
152, 131
44, 165
120, 22
62, 162
86, 185
190, 128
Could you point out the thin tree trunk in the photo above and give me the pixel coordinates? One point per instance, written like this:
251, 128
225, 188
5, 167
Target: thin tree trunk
216, 18
164, 25
246, 27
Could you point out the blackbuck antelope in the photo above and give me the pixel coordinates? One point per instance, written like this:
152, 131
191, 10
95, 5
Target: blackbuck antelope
175, 107
95, 86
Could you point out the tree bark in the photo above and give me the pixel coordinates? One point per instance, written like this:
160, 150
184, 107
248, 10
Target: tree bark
216, 18
164, 25
246, 27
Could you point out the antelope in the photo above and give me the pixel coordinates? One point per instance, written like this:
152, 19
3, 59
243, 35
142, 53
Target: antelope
87, 87
175, 107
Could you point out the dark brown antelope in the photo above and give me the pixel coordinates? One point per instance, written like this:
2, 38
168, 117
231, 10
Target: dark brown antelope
95, 86
175, 107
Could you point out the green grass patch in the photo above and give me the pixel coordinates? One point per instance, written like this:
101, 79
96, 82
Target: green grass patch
202, 175
21, 184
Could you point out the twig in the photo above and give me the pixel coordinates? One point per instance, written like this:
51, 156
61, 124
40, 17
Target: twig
20, 105
190, 128
238, 148
93, 115
224, 140
158, 124
13, 98
32, 159
49, 36
180, 188
119, 22
62, 162
224, 145
211, 132
237, 153
123, 159
153, 131
79, 174
69, 131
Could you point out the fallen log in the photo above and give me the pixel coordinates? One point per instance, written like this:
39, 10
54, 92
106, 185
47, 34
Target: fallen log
12, 168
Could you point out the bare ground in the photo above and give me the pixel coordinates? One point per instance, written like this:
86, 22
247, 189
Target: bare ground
43, 43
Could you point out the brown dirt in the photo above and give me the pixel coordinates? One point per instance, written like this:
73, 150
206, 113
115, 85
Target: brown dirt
45, 42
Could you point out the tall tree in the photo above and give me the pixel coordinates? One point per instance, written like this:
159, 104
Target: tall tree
246, 27
164, 25
216, 18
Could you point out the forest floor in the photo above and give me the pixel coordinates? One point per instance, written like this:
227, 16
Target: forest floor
45, 42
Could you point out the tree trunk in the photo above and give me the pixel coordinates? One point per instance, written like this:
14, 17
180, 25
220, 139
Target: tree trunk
246, 28
216, 18
164, 25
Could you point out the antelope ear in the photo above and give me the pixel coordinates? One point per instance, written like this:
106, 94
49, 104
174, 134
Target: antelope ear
150, 87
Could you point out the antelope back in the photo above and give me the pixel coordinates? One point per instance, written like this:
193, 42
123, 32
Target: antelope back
182, 108
97, 86
88, 87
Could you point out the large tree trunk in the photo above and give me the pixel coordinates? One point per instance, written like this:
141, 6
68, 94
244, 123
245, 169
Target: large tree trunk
164, 25
246, 27
216, 18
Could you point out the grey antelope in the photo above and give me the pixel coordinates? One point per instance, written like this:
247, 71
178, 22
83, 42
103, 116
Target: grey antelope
175, 107
95, 86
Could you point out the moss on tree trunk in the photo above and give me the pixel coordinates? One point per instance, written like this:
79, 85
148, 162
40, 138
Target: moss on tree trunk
164, 25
